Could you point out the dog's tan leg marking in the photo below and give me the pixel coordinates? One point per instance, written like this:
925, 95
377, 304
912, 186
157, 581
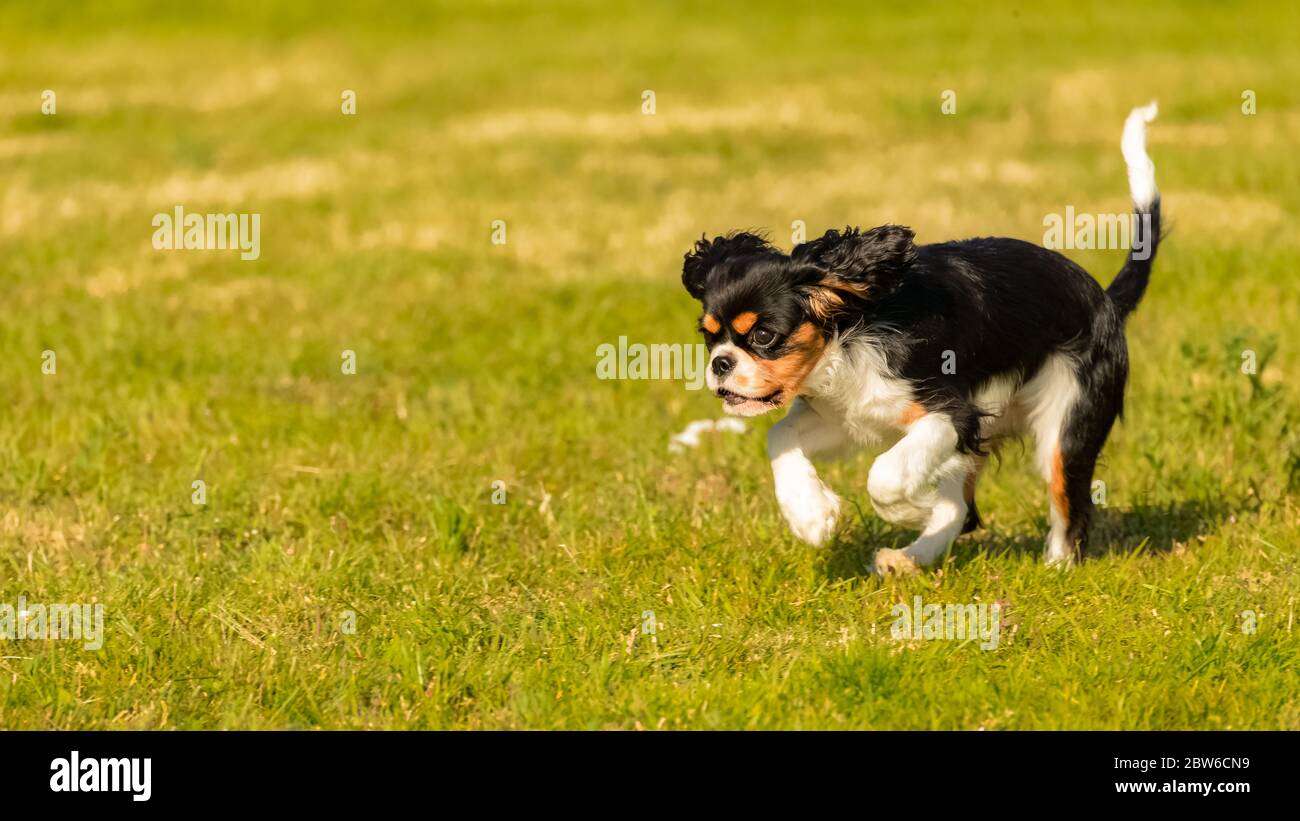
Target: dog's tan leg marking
1059, 498
914, 412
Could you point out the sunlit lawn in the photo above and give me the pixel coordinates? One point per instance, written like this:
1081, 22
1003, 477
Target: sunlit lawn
350, 568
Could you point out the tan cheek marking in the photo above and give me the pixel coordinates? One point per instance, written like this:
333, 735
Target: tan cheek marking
711, 323
1059, 498
788, 372
914, 412
744, 321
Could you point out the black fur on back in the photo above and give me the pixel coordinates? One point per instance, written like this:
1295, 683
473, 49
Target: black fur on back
1000, 306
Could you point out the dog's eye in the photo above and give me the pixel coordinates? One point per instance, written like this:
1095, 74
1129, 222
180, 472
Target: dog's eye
762, 337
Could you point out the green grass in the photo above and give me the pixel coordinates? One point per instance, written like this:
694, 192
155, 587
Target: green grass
372, 493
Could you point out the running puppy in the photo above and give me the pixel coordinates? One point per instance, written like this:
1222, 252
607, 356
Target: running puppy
934, 352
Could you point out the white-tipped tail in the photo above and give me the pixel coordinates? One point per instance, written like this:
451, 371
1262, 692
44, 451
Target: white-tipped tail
1128, 286
1141, 171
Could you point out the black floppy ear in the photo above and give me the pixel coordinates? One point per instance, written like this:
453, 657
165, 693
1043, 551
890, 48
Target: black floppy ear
865, 265
708, 254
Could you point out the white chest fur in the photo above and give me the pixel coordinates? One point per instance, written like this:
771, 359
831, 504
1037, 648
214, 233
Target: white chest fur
853, 387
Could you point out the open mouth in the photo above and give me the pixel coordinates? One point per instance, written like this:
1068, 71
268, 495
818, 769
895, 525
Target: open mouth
733, 399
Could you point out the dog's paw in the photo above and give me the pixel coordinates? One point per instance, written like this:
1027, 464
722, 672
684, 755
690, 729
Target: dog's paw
812, 514
1058, 554
1059, 561
891, 562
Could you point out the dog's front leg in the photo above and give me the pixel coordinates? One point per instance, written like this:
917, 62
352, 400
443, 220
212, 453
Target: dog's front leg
919, 483
811, 508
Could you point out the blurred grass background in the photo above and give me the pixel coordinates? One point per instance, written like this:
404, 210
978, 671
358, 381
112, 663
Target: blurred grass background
371, 493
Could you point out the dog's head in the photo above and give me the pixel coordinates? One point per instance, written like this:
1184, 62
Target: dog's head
768, 315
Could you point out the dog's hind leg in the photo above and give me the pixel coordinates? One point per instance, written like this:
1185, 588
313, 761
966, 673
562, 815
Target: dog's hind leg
1071, 424
1069, 476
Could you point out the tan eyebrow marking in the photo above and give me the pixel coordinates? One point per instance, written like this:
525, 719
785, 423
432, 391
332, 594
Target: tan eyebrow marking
711, 324
743, 322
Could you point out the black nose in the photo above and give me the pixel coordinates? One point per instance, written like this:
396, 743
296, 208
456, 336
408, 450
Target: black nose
723, 364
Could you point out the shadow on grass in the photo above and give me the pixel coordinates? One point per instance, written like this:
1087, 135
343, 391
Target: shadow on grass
1148, 528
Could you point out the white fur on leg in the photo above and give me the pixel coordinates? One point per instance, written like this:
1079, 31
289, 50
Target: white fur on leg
903, 479
1049, 397
1058, 552
946, 518
918, 483
811, 509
